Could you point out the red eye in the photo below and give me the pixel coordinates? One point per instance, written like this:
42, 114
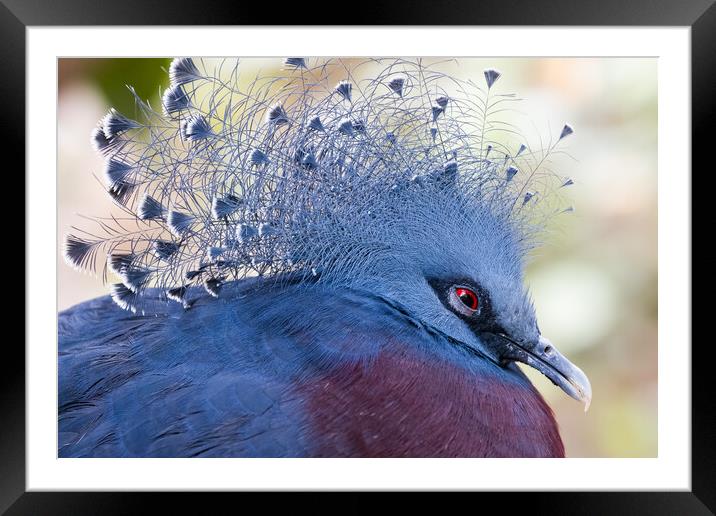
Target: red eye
468, 297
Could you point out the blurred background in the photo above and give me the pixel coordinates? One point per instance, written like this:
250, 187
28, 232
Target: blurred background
594, 281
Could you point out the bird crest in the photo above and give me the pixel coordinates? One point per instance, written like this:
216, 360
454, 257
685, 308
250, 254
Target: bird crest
329, 170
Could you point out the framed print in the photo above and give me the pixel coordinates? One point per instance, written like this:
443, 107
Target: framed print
443, 256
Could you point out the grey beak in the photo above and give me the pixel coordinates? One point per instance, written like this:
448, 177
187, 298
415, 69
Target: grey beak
544, 357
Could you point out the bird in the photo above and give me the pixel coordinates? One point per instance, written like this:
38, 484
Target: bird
325, 259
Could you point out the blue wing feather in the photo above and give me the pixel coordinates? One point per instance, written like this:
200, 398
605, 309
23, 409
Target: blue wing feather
212, 381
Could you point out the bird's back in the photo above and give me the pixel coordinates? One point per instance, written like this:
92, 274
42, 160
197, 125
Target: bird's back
277, 369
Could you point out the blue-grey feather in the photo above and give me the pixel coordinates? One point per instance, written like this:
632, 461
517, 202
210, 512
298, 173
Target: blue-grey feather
437, 111
118, 263
165, 249
491, 75
177, 294
77, 251
183, 71
179, 223
346, 127
213, 286
212, 253
124, 297
566, 131
442, 101
316, 124
277, 115
295, 62
396, 85
258, 157
222, 207
245, 232
135, 278
100, 142
116, 172
197, 128
121, 191
175, 100
114, 123
150, 209
345, 90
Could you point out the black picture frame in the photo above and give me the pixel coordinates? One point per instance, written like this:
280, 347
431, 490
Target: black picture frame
17, 15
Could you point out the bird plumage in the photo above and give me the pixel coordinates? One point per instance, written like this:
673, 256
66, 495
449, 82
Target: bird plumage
290, 269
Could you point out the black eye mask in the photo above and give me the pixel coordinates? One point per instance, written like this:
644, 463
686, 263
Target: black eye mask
483, 319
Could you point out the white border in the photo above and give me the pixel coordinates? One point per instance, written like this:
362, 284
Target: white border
671, 470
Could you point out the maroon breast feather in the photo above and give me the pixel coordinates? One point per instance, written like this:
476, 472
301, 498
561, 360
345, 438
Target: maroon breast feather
404, 403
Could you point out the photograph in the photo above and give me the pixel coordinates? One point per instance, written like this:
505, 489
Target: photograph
333, 256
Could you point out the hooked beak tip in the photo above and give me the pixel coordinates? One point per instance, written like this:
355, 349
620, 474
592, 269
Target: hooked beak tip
581, 389
587, 396
584, 389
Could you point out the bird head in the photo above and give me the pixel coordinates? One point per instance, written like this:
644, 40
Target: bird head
473, 290
402, 184
455, 263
